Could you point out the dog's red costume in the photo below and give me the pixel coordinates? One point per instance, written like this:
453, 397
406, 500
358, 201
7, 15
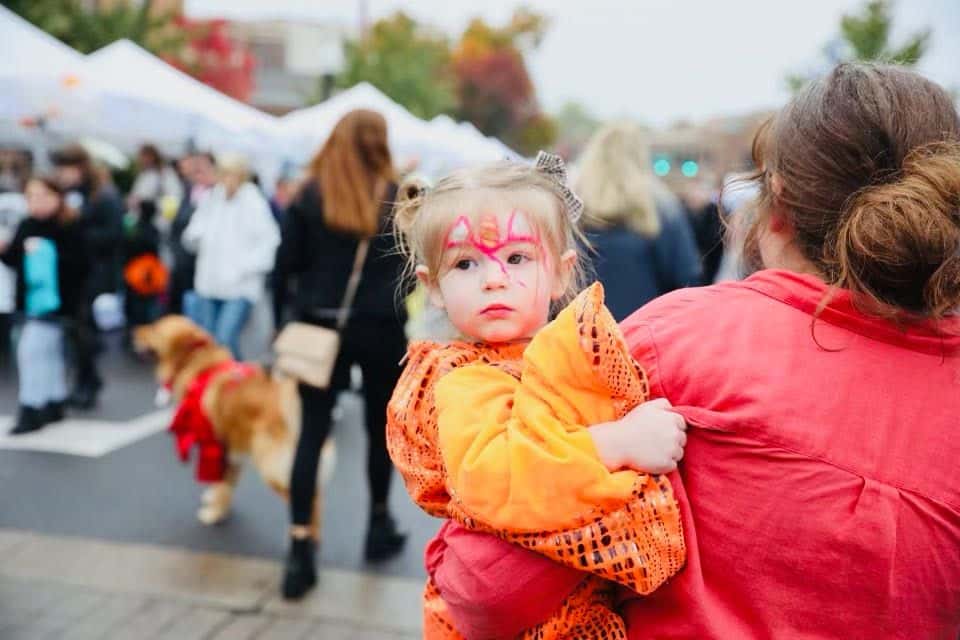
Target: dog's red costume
192, 428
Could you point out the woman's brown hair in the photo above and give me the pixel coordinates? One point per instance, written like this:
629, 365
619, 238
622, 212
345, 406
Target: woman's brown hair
65, 214
351, 164
869, 162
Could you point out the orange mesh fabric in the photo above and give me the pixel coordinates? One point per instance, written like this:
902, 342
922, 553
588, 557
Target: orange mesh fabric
522, 466
412, 414
587, 614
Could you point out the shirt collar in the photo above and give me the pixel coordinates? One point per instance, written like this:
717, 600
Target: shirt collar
807, 293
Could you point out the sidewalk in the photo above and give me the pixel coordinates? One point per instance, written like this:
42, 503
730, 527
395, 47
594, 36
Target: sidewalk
76, 588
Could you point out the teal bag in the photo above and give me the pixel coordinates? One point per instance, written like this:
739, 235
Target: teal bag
40, 275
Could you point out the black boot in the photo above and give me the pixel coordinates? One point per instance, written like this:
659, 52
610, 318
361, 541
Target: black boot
52, 412
383, 539
299, 574
30, 419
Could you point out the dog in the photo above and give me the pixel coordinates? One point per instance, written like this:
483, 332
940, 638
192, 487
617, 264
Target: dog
252, 416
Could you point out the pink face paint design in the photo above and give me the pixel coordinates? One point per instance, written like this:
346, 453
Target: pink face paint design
487, 239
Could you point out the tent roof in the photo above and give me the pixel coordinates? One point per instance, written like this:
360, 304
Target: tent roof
32, 50
438, 145
150, 77
360, 96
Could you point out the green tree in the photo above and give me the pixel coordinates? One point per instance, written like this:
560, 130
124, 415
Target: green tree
866, 37
88, 29
406, 62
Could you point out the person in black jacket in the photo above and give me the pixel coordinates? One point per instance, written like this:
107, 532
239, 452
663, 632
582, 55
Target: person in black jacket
347, 196
101, 218
47, 253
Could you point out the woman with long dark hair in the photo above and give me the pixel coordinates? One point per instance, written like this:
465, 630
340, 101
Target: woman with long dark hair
347, 197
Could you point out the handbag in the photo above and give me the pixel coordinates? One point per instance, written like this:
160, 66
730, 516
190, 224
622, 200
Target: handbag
307, 352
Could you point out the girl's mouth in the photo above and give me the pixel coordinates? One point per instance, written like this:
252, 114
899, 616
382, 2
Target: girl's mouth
496, 310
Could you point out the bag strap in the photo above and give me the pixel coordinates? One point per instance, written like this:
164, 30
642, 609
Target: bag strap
343, 314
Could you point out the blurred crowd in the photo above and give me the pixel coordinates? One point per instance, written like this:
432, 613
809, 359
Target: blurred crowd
198, 235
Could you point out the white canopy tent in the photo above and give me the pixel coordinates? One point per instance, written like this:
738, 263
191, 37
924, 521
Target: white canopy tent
433, 147
479, 147
207, 118
47, 90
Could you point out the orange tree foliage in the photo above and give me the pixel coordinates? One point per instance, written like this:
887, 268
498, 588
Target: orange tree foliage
494, 89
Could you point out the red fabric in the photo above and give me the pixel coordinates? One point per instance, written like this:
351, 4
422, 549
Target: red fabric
494, 589
191, 427
820, 486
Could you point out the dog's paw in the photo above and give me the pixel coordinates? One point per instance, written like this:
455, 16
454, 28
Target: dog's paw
216, 494
212, 514
162, 398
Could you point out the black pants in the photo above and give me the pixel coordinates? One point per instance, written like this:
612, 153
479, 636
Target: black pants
376, 346
6, 325
84, 342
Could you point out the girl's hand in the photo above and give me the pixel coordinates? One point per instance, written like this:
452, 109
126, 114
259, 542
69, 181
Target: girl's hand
650, 438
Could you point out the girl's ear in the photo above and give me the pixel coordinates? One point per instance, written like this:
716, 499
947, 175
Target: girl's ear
433, 291
564, 272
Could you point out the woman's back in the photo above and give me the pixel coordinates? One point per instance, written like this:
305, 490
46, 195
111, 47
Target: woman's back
821, 473
322, 258
635, 268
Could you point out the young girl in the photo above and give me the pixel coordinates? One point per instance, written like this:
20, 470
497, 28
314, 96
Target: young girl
495, 249
47, 253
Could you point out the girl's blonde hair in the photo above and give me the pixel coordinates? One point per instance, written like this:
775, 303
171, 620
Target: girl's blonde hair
423, 215
615, 180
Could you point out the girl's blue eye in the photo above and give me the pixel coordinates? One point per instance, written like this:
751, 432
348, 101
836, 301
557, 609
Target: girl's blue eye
463, 265
517, 258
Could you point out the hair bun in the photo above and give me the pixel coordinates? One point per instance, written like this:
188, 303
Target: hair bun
409, 200
900, 241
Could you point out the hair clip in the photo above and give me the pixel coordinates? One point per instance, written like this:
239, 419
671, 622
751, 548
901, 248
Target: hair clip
552, 165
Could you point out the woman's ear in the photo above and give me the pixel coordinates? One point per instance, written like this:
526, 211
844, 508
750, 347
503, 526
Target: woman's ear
428, 283
565, 267
778, 220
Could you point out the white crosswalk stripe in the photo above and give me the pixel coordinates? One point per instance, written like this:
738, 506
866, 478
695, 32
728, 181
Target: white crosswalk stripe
88, 438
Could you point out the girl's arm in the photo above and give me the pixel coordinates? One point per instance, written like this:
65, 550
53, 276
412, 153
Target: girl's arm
521, 462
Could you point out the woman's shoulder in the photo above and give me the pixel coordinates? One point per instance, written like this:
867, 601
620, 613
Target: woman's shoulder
696, 302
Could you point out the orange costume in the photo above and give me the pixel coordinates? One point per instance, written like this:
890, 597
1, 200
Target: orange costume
495, 437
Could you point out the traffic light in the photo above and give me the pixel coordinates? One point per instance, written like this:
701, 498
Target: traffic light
661, 167
690, 168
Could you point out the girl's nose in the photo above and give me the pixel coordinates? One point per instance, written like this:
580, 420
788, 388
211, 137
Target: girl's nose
494, 275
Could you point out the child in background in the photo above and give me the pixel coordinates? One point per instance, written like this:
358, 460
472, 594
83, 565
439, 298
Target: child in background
48, 254
490, 430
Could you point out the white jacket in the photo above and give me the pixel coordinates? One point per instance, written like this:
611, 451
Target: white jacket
235, 241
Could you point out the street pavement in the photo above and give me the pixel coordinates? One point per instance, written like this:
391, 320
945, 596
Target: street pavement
138, 493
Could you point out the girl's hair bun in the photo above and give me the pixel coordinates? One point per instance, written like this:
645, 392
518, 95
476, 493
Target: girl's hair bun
410, 197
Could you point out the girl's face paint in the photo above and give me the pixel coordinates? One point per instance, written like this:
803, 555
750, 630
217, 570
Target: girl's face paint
487, 239
497, 279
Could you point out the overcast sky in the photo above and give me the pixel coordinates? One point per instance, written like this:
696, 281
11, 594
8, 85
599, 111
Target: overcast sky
654, 60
